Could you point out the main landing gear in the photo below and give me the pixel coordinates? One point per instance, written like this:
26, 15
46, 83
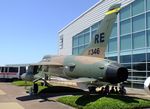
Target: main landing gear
106, 90
92, 89
35, 88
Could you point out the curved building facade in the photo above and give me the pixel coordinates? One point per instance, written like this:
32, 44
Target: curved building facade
129, 43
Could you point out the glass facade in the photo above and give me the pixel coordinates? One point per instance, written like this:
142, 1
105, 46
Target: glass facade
133, 30
81, 41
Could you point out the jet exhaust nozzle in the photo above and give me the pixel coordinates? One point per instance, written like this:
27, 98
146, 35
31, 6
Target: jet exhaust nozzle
147, 85
116, 74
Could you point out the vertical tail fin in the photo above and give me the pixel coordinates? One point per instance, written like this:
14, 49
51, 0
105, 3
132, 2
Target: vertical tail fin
100, 40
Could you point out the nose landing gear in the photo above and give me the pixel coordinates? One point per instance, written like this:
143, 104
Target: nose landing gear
34, 89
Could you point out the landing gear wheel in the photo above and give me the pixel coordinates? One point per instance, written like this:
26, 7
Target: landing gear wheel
92, 89
35, 88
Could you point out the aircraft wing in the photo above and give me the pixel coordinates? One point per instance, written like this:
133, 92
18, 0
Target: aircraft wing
79, 80
82, 80
83, 83
47, 64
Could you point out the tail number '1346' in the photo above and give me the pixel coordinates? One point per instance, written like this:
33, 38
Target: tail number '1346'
94, 51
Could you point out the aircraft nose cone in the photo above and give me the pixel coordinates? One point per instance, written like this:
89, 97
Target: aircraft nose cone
23, 76
27, 76
116, 74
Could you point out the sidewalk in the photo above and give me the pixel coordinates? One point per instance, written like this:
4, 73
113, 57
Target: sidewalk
140, 93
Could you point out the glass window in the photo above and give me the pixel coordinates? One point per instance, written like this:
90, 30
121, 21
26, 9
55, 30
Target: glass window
148, 74
114, 30
139, 67
125, 42
75, 41
148, 57
81, 39
112, 45
85, 46
87, 37
2, 69
137, 7
61, 42
125, 27
148, 20
139, 73
128, 66
6, 69
139, 58
148, 38
125, 59
148, 66
125, 12
22, 70
13, 69
148, 4
138, 86
95, 26
127, 84
75, 51
93, 33
86, 30
139, 40
113, 58
139, 23
81, 49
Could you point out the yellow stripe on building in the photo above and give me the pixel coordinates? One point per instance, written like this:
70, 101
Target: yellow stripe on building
112, 11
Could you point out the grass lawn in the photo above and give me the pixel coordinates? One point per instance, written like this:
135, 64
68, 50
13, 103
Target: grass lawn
104, 102
28, 83
22, 83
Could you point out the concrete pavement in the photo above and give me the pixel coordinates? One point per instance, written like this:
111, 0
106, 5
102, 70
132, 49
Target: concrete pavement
140, 93
14, 97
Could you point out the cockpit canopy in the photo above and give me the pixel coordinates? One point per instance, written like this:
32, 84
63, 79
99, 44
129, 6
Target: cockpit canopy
47, 57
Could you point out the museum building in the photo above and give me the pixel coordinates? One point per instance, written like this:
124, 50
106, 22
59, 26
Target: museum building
129, 43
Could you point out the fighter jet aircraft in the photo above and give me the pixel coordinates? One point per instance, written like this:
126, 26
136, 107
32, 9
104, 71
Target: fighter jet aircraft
89, 69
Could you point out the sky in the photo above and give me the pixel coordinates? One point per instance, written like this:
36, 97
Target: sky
29, 28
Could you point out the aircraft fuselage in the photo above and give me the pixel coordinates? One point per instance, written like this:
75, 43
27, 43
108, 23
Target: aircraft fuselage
83, 66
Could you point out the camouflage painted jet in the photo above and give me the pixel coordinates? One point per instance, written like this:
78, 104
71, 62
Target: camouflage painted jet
89, 69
